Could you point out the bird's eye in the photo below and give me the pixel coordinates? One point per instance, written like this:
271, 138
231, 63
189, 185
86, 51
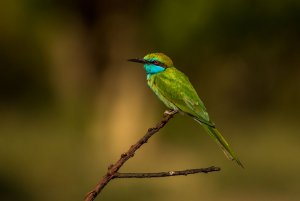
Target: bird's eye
156, 62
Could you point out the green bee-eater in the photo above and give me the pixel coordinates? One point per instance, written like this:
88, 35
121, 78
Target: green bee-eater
174, 89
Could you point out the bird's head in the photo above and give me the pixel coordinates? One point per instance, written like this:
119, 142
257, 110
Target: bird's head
154, 62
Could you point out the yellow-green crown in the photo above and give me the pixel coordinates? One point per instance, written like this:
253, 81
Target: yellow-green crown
161, 57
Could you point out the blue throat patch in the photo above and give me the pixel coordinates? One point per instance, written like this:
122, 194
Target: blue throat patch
153, 69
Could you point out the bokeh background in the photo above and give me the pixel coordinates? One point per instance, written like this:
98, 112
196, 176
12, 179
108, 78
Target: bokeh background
70, 103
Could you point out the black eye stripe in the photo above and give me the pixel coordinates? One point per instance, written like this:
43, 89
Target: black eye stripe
158, 63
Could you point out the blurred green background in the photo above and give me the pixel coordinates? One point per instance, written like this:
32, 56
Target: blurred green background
70, 103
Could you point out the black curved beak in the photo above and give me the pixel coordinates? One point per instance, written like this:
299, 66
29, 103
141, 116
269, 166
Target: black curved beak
138, 60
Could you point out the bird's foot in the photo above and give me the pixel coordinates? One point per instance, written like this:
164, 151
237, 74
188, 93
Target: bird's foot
171, 112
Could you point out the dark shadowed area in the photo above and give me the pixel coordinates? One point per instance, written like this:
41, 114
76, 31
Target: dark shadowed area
70, 103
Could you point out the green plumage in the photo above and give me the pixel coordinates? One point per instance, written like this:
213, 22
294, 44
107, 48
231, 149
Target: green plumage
174, 89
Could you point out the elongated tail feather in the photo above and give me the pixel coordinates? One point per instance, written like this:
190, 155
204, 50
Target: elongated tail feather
216, 135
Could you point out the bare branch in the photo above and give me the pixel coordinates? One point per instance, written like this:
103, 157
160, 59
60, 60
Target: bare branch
167, 174
113, 173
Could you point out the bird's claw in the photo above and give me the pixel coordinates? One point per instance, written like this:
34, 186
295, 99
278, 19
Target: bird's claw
170, 112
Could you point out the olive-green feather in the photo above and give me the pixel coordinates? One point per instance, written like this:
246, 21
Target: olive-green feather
216, 135
175, 90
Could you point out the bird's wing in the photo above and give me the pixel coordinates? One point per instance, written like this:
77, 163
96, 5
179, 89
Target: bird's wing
174, 86
199, 111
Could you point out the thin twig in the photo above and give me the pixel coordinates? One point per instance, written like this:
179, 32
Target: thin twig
167, 174
113, 173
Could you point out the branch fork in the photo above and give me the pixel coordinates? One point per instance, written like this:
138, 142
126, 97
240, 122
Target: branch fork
112, 172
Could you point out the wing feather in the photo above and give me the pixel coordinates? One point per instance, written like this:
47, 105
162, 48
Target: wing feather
175, 88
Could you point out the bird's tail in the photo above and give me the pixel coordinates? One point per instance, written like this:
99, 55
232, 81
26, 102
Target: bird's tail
216, 135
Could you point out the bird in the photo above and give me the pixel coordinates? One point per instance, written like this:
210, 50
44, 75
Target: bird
175, 90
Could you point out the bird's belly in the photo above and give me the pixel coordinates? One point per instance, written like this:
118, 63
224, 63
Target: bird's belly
167, 103
154, 88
